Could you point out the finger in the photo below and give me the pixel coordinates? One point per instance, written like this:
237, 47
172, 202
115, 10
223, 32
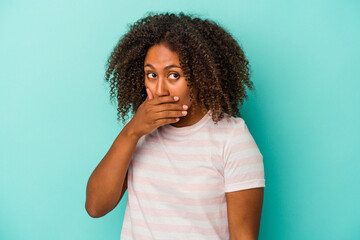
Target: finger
149, 93
165, 99
170, 114
170, 107
164, 121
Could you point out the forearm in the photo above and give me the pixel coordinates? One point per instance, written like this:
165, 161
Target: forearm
105, 184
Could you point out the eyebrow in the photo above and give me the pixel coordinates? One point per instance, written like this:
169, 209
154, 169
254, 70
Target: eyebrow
167, 67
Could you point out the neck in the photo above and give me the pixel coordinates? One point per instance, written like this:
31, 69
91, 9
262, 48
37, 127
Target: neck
194, 115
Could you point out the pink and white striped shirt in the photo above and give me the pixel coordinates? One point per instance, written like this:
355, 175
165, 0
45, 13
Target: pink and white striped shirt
178, 177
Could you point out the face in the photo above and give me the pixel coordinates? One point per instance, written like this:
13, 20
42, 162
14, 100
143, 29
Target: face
164, 77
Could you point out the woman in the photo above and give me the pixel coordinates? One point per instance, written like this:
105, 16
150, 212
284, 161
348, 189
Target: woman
190, 165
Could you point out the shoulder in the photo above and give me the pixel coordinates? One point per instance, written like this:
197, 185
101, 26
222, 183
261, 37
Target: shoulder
236, 133
225, 130
230, 123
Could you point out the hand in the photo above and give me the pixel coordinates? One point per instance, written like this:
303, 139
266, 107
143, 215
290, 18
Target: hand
155, 112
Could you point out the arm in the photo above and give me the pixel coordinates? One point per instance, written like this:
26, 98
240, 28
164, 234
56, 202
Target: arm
124, 188
244, 213
108, 182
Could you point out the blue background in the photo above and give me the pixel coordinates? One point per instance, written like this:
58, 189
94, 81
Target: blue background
57, 122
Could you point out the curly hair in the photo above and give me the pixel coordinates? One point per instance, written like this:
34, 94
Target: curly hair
212, 62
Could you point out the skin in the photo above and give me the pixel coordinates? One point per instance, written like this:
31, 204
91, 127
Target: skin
164, 77
244, 213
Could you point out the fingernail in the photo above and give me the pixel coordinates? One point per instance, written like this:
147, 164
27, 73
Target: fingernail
185, 107
184, 112
176, 98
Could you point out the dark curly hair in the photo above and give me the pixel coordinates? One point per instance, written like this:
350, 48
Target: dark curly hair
212, 61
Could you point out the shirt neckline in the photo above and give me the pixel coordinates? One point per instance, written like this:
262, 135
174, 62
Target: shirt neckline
180, 133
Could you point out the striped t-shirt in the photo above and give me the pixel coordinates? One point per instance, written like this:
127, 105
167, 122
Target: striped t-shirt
178, 177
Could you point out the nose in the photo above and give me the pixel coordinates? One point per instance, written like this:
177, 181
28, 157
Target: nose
161, 88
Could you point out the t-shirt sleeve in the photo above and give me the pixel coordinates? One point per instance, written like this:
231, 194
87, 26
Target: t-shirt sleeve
243, 161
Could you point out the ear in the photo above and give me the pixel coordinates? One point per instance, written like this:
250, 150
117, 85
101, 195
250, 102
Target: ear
149, 94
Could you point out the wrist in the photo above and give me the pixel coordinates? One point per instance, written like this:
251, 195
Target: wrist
130, 132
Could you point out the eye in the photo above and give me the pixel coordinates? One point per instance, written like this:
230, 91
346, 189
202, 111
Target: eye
149, 75
176, 76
